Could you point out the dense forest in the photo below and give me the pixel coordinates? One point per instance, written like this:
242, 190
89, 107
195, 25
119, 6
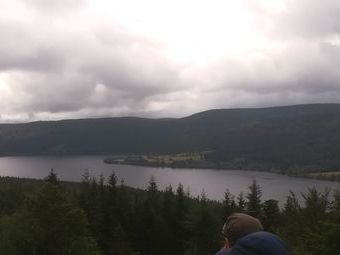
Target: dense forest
292, 139
103, 216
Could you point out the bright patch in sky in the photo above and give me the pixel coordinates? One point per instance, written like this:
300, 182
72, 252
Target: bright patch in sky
192, 31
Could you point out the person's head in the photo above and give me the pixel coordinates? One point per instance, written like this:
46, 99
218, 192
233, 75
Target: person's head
239, 225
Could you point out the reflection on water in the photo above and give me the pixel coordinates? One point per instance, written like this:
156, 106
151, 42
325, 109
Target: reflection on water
213, 182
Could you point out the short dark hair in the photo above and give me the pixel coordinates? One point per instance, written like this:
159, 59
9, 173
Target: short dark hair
239, 225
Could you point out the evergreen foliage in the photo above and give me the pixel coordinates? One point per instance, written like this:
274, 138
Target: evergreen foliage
100, 216
52, 178
46, 223
228, 204
254, 199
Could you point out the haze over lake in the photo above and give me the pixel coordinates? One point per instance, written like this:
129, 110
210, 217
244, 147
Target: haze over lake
213, 182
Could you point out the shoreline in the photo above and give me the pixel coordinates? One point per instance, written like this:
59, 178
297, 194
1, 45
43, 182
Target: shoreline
219, 167
331, 176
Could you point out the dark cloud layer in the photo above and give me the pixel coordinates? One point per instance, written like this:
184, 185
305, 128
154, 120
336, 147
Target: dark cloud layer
59, 61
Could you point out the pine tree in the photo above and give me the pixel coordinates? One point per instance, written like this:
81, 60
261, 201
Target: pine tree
271, 217
120, 243
52, 178
86, 177
152, 194
229, 205
111, 212
100, 219
151, 222
316, 226
124, 208
112, 181
241, 202
168, 205
202, 225
47, 223
181, 219
254, 199
330, 240
152, 188
169, 215
291, 228
316, 205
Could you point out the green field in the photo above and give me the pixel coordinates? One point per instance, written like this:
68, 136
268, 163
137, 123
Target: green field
326, 174
171, 158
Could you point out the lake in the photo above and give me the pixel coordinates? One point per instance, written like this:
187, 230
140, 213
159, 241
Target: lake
213, 182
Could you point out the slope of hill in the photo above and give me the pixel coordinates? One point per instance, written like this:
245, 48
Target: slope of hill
303, 137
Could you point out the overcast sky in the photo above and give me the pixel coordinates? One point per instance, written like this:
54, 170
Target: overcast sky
161, 58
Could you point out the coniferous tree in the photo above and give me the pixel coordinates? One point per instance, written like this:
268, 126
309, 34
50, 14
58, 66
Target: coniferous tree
254, 199
94, 212
112, 182
151, 223
100, 219
314, 216
52, 177
241, 202
101, 184
271, 215
47, 223
316, 205
181, 219
229, 205
120, 243
112, 196
169, 215
203, 235
85, 191
330, 238
112, 201
86, 176
152, 188
129, 215
168, 206
291, 233
123, 200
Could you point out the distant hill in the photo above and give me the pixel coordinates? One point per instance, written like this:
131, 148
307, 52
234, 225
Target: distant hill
291, 139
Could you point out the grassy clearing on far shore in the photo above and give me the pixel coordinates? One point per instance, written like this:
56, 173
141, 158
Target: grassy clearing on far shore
330, 173
174, 158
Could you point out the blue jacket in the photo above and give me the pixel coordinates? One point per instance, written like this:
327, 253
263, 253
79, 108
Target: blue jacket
258, 243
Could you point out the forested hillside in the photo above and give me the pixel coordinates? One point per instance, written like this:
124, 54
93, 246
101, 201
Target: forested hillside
289, 139
105, 217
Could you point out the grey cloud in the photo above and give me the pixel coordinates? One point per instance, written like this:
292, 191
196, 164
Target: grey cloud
50, 6
22, 49
107, 83
309, 18
298, 19
307, 73
104, 70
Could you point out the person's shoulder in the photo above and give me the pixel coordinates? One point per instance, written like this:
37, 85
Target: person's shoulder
260, 243
224, 251
262, 237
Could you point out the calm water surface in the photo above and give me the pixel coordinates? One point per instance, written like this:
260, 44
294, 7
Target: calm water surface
213, 182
